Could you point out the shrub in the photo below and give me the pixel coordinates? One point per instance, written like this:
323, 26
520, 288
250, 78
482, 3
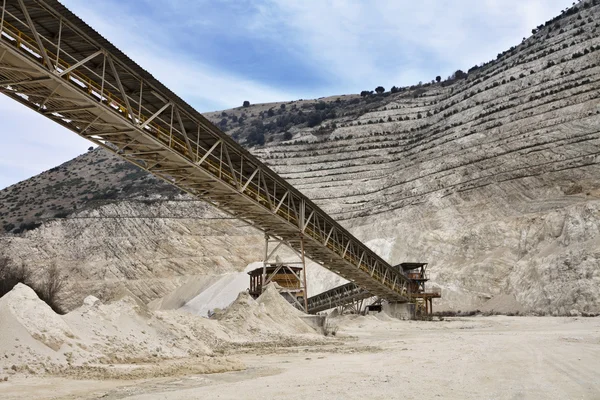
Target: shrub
321, 105
28, 226
246, 103
379, 89
459, 74
256, 137
11, 274
314, 120
48, 288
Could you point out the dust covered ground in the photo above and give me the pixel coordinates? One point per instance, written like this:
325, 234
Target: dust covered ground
379, 358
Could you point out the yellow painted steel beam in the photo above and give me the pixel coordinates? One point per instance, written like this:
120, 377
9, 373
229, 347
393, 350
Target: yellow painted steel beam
183, 148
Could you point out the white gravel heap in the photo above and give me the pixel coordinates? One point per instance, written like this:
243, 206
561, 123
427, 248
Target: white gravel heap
265, 317
33, 338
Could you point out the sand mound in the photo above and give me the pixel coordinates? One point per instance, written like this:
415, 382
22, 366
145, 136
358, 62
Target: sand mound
208, 331
35, 316
193, 287
244, 316
383, 316
33, 338
285, 315
121, 292
220, 293
99, 339
125, 331
269, 315
28, 343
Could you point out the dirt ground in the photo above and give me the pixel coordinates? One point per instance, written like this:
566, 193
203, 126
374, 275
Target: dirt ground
458, 358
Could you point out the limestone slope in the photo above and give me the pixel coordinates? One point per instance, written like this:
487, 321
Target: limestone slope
493, 179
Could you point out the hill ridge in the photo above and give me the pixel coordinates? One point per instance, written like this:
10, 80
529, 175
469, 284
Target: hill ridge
492, 177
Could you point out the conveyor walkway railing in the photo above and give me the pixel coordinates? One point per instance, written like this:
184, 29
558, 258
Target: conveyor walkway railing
55, 64
338, 296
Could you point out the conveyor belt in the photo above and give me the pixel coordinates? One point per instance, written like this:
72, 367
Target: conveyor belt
54, 63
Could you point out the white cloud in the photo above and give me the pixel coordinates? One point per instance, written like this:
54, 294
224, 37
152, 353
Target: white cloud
390, 41
205, 87
32, 143
353, 45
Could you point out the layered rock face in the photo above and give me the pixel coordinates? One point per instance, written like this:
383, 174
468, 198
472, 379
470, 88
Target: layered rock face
493, 180
148, 249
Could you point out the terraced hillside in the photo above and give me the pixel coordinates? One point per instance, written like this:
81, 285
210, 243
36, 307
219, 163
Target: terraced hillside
491, 176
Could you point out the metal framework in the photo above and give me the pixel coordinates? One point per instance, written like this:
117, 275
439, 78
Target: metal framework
54, 63
272, 259
351, 296
287, 278
337, 297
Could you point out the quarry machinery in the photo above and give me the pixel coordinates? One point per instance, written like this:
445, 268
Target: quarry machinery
54, 63
349, 293
286, 277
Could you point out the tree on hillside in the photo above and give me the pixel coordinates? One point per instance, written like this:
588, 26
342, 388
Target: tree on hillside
438, 79
246, 103
314, 119
460, 74
394, 89
380, 89
256, 137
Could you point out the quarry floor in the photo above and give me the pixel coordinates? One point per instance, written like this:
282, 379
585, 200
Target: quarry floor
494, 357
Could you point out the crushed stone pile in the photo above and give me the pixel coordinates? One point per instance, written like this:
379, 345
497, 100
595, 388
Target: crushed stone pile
266, 317
284, 314
90, 340
120, 292
220, 293
383, 316
32, 335
125, 331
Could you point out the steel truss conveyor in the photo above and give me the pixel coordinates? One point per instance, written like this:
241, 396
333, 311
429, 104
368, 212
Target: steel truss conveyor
54, 63
338, 296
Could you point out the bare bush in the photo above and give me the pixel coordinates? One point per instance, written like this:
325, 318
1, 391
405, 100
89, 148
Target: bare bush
48, 286
11, 274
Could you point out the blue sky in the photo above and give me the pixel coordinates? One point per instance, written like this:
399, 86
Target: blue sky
217, 53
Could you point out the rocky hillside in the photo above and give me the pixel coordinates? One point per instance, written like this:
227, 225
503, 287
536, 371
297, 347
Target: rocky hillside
492, 176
